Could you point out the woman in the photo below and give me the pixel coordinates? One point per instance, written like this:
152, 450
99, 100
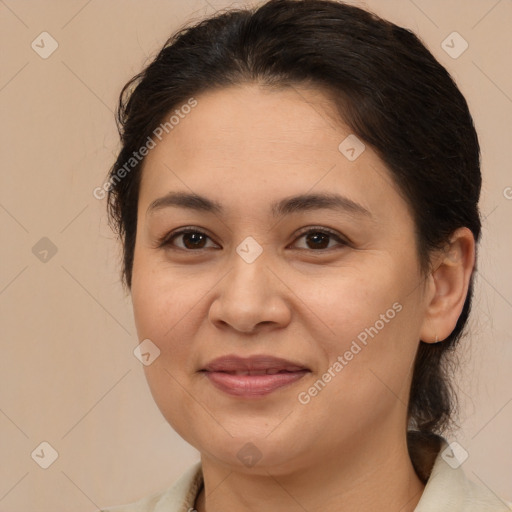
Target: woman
297, 198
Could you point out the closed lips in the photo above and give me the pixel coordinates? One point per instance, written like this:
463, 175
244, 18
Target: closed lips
252, 377
255, 365
268, 371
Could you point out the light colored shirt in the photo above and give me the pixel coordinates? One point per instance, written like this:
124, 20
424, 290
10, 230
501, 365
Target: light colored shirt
447, 488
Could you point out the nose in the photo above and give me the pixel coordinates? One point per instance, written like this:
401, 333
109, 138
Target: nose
250, 298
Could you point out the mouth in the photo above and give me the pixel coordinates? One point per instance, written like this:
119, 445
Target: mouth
268, 371
252, 377
259, 364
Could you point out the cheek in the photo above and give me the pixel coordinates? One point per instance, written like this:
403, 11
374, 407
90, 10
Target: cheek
353, 305
373, 323
165, 306
165, 311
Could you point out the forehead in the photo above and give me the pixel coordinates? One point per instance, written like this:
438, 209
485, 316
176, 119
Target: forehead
283, 121
264, 144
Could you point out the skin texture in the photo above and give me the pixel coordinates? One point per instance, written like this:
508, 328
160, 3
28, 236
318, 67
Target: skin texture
245, 147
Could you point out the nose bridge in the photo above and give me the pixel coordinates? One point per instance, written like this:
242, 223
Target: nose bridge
248, 277
250, 295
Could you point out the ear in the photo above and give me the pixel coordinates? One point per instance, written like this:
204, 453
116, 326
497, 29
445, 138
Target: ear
447, 286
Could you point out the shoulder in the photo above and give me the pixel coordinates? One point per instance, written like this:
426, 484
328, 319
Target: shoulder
448, 489
177, 498
482, 499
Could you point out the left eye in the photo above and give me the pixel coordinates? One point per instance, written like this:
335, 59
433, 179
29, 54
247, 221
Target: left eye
320, 238
196, 240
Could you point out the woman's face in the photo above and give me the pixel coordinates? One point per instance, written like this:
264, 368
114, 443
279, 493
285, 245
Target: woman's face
345, 303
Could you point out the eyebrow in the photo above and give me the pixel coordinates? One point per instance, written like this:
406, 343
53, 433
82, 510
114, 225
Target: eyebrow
286, 206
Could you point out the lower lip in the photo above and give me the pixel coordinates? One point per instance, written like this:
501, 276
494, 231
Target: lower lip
248, 386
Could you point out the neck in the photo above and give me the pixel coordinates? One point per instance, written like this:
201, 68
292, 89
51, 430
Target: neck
365, 477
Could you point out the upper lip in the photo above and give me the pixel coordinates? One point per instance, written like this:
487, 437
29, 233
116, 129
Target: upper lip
233, 363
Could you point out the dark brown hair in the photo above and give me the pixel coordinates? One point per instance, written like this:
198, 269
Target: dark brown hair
384, 84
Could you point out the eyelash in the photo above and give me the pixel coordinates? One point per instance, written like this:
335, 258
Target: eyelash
166, 241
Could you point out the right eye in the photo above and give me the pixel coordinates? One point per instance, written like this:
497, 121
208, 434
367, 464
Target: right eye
192, 240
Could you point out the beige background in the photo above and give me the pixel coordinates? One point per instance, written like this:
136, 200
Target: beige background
69, 376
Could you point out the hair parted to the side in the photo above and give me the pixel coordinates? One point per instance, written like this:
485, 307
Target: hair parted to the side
384, 84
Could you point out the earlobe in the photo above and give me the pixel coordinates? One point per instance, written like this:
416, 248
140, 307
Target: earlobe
449, 283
